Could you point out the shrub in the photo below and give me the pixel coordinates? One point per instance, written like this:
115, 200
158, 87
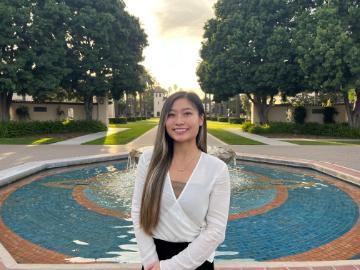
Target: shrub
17, 129
329, 113
144, 118
331, 130
22, 112
138, 118
299, 114
235, 120
212, 118
223, 119
246, 126
131, 119
118, 120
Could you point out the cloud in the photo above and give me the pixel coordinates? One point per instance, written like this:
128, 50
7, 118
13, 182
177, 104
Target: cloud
184, 17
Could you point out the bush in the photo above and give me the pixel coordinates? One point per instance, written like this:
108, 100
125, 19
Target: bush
223, 119
138, 118
118, 120
299, 114
212, 118
18, 129
144, 118
246, 126
131, 119
329, 113
331, 130
236, 120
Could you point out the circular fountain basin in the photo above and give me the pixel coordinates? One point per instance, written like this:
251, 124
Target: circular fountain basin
277, 213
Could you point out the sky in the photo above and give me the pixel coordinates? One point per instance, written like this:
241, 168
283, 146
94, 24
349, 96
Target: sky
174, 29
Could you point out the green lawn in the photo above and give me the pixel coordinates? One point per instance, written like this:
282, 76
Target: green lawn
215, 124
231, 138
322, 142
217, 129
135, 129
30, 140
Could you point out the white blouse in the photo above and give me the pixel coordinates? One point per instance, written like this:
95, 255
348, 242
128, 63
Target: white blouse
199, 215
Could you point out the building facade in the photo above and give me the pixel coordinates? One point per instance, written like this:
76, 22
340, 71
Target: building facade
159, 100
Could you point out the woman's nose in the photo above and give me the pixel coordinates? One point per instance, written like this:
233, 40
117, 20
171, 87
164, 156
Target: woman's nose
179, 120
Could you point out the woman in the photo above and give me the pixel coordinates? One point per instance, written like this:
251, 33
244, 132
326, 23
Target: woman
181, 197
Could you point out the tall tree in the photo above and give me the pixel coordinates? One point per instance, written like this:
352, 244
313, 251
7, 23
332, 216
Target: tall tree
105, 45
328, 46
248, 49
15, 64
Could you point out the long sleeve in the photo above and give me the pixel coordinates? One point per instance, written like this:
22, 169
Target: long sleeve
212, 235
145, 242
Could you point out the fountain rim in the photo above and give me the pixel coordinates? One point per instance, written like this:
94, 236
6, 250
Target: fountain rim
13, 174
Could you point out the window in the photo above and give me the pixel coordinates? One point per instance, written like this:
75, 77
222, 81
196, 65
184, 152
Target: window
40, 109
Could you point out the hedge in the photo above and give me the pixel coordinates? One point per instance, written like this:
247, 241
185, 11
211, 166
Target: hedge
332, 130
223, 119
118, 120
17, 129
236, 120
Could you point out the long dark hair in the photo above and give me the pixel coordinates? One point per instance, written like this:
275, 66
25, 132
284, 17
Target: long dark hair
161, 161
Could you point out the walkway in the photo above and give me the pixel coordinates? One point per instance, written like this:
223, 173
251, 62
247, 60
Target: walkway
90, 137
262, 139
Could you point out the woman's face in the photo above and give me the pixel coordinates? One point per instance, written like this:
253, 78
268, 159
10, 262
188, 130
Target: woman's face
183, 121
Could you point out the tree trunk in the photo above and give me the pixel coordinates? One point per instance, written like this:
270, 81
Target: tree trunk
88, 104
141, 104
5, 103
126, 110
210, 113
353, 111
133, 111
261, 106
237, 105
116, 108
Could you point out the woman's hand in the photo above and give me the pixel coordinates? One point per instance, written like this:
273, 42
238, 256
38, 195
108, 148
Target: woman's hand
155, 266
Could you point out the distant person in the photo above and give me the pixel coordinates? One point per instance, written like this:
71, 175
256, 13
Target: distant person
181, 197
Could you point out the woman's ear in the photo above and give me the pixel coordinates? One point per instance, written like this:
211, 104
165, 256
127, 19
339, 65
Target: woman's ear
201, 120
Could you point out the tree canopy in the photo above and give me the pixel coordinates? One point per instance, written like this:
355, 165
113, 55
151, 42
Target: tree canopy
263, 47
85, 48
248, 48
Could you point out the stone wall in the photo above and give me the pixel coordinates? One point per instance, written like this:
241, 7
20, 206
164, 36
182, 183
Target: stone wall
284, 113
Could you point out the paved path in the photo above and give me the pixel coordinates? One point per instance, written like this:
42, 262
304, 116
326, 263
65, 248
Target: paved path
262, 139
90, 137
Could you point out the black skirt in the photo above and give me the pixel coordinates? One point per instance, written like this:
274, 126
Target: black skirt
167, 250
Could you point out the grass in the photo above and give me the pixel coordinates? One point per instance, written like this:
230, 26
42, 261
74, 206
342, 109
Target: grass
30, 140
135, 129
323, 142
217, 125
218, 129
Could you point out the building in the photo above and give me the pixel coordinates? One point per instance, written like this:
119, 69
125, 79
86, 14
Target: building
159, 100
60, 110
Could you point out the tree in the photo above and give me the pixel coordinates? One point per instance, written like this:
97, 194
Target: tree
32, 49
104, 47
15, 52
328, 47
248, 49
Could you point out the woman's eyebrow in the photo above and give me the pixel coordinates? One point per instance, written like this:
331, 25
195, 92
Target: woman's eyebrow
184, 109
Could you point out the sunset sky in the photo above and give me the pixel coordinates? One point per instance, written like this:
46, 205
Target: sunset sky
174, 29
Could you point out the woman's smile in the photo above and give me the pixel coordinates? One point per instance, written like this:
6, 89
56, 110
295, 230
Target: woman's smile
180, 130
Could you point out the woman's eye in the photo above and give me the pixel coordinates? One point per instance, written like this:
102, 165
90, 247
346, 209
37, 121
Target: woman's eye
171, 115
188, 113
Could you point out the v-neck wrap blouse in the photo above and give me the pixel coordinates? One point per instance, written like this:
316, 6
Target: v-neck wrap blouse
199, 215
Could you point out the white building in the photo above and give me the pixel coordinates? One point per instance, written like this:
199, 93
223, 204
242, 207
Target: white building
159, 100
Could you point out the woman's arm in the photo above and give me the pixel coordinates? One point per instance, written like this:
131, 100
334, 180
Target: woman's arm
145, 242
214, 233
